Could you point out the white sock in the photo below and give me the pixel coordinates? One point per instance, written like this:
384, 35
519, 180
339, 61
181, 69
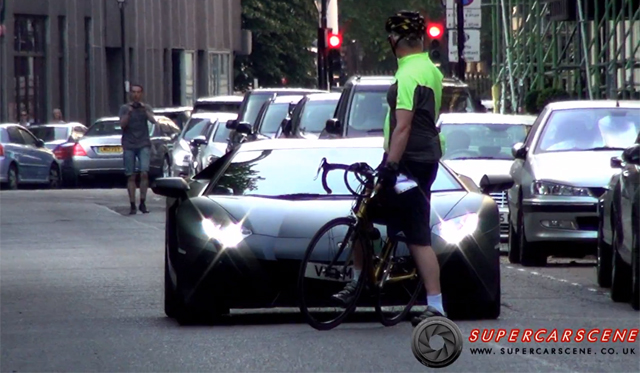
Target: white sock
435, 301
356, 274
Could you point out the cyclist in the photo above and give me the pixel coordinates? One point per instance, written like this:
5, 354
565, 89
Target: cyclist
412, 147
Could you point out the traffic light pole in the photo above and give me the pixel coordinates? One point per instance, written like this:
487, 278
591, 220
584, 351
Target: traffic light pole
462, 64
322, 48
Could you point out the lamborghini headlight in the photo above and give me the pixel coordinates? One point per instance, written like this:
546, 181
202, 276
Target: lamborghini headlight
545, 188
455, 230
229, 235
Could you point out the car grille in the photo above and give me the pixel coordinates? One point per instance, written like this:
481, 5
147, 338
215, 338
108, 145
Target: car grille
500, 198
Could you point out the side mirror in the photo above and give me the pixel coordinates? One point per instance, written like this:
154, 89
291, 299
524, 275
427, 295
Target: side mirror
495, 183
631, 155
519, 151
171, 187
286, 126
333, 127
616, 162
39, 143
244, 127
199, 140
232, 124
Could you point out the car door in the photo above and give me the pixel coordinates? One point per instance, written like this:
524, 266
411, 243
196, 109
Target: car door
157, 143
17, 150
629, 191
39, 157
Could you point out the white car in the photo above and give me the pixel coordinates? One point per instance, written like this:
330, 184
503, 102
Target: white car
479, 144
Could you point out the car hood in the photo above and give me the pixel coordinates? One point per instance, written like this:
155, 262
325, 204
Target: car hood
584, 169
303, 218
101, 140
477, 168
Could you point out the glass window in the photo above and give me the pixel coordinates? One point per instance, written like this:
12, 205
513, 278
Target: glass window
273, 117
14, 135
253, 107
213, 73
195, 127
368, 112
260, 173
48, 133
224, 75
586, 129
30, 67
481, 141
315, 115
189, 78
222, 134
106, 128
28, 138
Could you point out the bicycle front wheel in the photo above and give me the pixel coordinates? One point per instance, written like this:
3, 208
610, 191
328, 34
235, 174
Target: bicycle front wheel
327, 267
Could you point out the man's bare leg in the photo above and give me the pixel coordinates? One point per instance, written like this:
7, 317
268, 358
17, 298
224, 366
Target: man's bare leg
131, 188
428, 267
144, 185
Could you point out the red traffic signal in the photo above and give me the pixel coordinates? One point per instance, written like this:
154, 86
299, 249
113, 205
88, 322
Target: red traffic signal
434, 31
335, 41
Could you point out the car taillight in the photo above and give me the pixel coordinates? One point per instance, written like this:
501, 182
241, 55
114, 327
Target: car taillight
78, 151
1, 151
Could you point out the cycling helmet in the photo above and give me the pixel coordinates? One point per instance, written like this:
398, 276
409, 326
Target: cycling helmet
406, 24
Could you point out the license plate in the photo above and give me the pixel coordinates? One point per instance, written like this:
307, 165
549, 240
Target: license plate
318, 271
504, 217
110, 149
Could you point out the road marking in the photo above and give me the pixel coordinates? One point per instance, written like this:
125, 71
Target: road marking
535, 273
129, 217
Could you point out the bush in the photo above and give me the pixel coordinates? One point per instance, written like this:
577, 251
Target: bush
550, 95
531, 102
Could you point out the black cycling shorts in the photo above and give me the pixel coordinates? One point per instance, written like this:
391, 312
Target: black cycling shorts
408, 212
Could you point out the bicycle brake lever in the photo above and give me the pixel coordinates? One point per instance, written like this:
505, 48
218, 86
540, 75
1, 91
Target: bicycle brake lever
322, 163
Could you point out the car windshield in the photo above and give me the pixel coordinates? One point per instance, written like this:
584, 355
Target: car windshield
273, 117
47, 133
456, 100
589, 129
261, 173
481, 141
195, 127
253, 107
315, 115
104, 128
222, 133
368, 112
216, 107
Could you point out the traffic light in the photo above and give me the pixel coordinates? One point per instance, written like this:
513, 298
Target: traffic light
334, 57
435, 31
334, 41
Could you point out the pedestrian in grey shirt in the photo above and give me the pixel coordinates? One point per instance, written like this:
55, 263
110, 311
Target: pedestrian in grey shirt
136, 145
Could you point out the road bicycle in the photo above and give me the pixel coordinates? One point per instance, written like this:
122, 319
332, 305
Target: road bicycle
323, 274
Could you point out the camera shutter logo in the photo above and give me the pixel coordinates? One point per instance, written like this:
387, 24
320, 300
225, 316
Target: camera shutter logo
430, 330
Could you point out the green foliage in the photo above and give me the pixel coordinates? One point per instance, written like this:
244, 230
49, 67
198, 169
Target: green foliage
550, 95
283, 30
363, 21
531, 102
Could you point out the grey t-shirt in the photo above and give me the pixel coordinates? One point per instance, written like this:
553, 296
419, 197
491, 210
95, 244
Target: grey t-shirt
136, 134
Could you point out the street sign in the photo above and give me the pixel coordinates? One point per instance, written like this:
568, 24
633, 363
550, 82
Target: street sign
472, 18
467, 4
471, 46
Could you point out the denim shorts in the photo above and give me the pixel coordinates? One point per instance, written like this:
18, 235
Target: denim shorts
142, 156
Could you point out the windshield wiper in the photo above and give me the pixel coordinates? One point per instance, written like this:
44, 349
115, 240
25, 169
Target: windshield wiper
603, 148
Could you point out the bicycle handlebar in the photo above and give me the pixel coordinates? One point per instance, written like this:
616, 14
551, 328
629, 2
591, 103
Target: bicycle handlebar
359, 168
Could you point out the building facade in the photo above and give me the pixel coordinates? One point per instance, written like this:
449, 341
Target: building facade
68, 54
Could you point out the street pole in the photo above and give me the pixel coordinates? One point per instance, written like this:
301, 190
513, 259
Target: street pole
3, 112
124, 51
322, 48
462, 65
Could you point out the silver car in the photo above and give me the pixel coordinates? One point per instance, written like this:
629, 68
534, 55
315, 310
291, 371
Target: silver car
54, 135
479, 144
24, 159
559, 174
205, 136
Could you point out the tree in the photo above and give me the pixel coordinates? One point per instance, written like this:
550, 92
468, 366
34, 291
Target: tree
283, 30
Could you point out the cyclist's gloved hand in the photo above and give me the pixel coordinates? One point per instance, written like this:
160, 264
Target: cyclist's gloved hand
388, 175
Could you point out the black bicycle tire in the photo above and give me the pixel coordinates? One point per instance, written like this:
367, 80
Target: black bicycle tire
402, 315
346, 220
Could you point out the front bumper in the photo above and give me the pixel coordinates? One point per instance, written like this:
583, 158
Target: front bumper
560, 221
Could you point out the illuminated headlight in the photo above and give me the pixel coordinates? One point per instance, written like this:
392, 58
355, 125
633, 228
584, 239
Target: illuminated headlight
229, 235
544, 188
455, 230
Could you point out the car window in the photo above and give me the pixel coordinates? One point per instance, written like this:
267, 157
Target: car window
588, 128
273, 116
261, 172
14, 135
368, 111
456, 100
50, 133
216, 107
195, 127
104, 128
4, 136
315, 115
168, 129
28, 138
481, 141
222, 133
253, 107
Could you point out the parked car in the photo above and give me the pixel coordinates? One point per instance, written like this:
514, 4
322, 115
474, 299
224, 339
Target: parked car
216, 104
310, 116
479, 144
54, 135
203, 140
619, 229
24, 159
179, 115
560, 172
272, 113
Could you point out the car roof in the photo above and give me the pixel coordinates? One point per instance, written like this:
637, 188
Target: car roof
69, 124
388, 80
213, 115
279, 90
364, 142
172, 109
324, 96
287, 99
486, 118
593, 104
5, 125
107, 119
231, 98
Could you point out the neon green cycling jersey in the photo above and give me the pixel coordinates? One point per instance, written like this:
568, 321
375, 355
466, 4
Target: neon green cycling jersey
418, 88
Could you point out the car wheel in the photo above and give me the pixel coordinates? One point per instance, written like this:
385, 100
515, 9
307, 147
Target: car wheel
514, 244
172, 303
12, 177
491, 309
635, 270
166, 167
620, 275
531, 254
55, 181
603, 268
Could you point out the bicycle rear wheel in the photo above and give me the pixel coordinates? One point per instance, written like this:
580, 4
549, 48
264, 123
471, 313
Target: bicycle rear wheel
326, 268
398, 282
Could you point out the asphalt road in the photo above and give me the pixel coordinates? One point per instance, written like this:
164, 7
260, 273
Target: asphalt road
81, 290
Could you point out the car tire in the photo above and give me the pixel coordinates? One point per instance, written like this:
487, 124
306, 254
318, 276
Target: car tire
12, 177
172, 303
55, 179
491, 309
603, 267
531, 254
514, 245
635, 268
620, 275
